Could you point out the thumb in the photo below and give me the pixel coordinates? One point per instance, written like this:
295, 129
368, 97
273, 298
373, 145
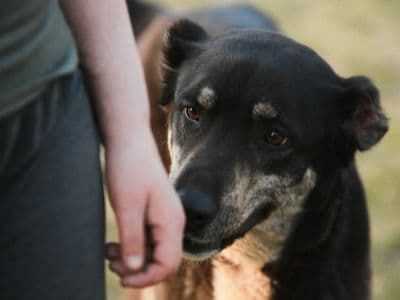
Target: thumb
130, 220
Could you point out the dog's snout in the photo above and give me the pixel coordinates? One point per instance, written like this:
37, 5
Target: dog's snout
199, 207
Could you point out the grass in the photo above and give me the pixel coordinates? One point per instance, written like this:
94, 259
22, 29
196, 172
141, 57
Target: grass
355, 37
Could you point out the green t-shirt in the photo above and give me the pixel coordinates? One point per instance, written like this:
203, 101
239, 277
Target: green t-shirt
36, 47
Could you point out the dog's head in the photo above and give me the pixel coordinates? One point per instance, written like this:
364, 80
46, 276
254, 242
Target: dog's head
254, 117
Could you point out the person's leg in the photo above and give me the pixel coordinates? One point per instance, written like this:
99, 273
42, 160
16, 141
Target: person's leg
51, 200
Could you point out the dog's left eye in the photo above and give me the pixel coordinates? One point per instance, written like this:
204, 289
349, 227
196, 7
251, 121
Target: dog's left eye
276, 138
192, 113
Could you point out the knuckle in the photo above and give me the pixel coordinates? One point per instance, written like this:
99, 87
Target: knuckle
182, 220
131, 240
162, 275
156, 279
179, 220
132, 244
171, 268
174, 270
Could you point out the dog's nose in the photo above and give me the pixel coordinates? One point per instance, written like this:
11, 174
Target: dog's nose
199, 208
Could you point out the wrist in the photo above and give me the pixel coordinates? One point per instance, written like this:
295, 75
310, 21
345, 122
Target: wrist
137, 134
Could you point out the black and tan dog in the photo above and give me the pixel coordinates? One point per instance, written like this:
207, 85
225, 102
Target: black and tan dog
262, 135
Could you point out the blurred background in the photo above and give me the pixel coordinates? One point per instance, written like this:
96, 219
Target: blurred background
355, 37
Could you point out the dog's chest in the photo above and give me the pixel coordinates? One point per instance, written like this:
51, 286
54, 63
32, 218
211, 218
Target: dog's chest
238, 276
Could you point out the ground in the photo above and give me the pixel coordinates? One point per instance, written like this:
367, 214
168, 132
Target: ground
355, 37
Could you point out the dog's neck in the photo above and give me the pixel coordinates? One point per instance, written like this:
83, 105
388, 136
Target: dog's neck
238, 270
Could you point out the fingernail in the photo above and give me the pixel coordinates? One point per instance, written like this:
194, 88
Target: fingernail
134, 262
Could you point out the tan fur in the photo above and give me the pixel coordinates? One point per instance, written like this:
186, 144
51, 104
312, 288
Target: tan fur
264, 110
206, 98
237, 271
150, 46
243, 197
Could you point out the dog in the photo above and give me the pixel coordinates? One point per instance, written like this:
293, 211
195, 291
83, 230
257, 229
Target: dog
262, 136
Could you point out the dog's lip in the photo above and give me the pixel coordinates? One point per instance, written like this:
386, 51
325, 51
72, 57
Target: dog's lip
193, 245
196, 246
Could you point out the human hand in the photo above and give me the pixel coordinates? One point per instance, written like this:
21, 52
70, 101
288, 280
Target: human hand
143, 201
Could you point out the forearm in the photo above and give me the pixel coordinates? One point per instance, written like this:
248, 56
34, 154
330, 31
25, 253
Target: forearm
138, 186
108, 52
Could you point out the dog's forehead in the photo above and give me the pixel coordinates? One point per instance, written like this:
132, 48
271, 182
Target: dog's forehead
264, 110
263, 75
207, 98
257, 54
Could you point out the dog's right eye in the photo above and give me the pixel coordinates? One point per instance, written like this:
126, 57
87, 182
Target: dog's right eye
192, 113
276, 138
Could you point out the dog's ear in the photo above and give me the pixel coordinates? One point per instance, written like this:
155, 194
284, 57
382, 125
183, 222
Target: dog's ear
365, 123
181, 41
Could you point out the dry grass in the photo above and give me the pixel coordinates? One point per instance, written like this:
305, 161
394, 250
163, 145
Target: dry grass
356, 37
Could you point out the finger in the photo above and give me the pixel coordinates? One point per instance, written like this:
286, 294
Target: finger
113, 251
131, 233
153, 274
118, 267
167, 233
168, 248
166, 230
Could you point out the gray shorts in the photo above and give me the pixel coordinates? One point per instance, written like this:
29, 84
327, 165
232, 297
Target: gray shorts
51, 198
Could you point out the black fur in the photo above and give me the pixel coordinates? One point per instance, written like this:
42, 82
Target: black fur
326, 117
327, 254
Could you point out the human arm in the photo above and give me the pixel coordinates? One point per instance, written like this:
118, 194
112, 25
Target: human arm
137, 183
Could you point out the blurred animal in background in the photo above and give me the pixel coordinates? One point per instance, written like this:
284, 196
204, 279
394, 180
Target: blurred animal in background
259, 135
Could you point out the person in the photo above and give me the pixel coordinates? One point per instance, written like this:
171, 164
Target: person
51, 196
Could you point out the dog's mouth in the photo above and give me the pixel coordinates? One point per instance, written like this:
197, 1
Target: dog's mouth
199, 249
